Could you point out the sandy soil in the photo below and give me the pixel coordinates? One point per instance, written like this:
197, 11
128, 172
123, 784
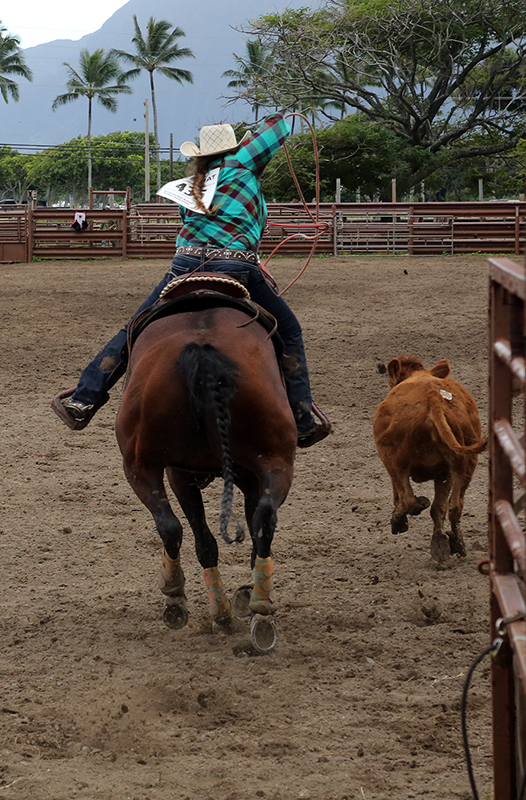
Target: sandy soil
361, 697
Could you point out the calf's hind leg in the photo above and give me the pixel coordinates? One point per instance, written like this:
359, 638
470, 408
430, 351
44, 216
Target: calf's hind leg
148, 485
405, 501
440, 549
456, 507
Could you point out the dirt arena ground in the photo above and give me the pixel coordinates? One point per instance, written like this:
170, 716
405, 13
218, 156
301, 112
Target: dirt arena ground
361, 698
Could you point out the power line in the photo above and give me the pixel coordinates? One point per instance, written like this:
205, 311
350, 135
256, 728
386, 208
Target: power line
74, 147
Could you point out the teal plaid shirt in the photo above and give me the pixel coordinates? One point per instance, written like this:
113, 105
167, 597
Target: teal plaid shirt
241, 207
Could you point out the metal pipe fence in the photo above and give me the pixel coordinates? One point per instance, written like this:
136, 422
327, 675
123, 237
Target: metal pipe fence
506, 566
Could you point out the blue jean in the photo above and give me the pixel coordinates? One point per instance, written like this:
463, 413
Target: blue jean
107, 366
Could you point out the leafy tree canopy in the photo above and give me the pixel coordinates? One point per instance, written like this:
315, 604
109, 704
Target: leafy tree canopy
118, 162
429, 71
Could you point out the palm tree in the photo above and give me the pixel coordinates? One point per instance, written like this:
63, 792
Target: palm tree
251, 73
99, 76
11, 63
154, 52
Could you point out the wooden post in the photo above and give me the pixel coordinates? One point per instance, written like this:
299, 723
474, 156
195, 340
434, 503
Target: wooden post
91, 198
517, 230
30, 236
146, 154
334, 231
481, 189
125, 232
338, 195
393, 190
411, 227
171, 156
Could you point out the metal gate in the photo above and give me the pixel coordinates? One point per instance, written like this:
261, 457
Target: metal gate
13, 234
507, 543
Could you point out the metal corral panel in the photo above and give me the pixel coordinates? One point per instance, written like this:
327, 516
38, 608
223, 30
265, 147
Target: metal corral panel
506, 565
13, 235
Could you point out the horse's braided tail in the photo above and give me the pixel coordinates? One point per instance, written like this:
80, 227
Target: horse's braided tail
211, 378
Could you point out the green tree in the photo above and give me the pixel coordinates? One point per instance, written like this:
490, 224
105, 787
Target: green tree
155, 52
252, 70
15, 175
59, 173
406, 65
363, 155
99, 76
12, 62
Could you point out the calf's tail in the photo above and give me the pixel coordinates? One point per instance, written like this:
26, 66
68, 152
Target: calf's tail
211, 379
436, 413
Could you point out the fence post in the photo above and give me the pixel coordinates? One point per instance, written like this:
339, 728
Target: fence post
517, 230
411, 223
334, 215
500, 483
30, 235
124, 233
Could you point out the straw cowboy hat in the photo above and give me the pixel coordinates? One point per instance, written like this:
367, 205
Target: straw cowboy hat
213, 139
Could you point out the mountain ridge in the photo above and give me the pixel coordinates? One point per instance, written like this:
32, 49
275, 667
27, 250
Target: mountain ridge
213, 34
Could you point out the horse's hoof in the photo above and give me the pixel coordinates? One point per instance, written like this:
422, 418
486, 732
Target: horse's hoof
399, 523
421, 503
224, 626
175, 614
440, 550
240, 602
263, 633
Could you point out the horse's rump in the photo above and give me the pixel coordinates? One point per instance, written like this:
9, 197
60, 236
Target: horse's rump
176, 363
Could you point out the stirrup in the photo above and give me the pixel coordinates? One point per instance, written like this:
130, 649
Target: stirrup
59, 406
317, 433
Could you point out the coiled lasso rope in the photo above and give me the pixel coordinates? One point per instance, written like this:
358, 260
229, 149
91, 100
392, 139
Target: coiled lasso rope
319, 228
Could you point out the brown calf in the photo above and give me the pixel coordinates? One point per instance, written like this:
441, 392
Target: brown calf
428, 428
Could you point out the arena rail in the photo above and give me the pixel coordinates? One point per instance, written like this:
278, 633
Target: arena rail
149, 230
507, 543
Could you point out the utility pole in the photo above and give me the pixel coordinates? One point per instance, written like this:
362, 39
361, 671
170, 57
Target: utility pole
146, 154
171, 156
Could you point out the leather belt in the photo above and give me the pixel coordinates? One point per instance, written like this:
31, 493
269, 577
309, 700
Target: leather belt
216, 252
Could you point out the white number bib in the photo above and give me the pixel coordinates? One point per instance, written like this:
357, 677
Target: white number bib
181, 191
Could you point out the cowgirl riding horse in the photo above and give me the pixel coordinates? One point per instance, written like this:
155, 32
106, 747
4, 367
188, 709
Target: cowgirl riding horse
222, 238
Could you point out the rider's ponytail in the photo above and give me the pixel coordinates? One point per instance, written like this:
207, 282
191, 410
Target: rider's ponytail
199, 169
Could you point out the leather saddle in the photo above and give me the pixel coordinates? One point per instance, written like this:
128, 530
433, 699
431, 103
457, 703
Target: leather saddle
197, 292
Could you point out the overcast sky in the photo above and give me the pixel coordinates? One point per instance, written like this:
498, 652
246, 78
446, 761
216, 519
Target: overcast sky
36, 22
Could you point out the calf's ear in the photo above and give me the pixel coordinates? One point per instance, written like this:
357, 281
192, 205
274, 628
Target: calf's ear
440, 370
393, 368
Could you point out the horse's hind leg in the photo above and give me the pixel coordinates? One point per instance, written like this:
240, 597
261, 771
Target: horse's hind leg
191, 502
262, 525
148, 485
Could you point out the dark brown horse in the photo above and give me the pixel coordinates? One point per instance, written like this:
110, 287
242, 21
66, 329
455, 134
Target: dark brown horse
205, 398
